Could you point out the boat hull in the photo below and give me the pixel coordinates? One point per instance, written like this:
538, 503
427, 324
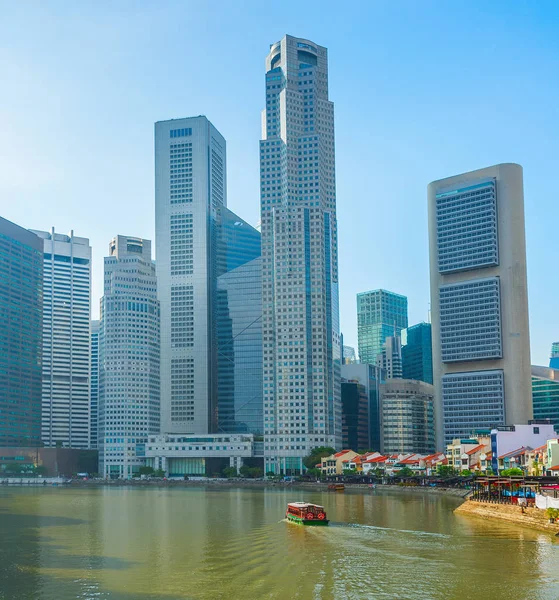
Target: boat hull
311, 522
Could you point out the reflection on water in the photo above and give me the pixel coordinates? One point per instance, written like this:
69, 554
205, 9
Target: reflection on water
206, 544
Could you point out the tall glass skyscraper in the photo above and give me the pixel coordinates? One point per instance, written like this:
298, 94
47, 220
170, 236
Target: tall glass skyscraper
479, 301
301, 339
209, 287
380, 314
554, 358
21, 334
129, 409
417, 353
66, 339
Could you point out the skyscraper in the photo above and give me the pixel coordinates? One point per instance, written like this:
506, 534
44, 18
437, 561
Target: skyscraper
380, 314
554, 358
301, 345
355, 415
66, 340
479, 301
129, 407
545, 394
417, 353
21, 334
190, 189
390, 358
206, 259
94, 404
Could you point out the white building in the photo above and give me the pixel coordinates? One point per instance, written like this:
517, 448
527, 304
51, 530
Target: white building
479, 301
66, 340
301, 340
94, 403
129, 409
190, 188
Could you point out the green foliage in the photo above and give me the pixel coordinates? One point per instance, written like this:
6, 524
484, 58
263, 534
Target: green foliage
270, 474
466, 473
378, 472
159, 473
316, 455
515, 471
314, 472
146, 470
349, 472
405, 472
230, 472
252, 472
552, 513
41, 470
445, 471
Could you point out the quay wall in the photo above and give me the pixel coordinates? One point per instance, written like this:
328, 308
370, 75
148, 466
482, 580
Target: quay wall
533, 518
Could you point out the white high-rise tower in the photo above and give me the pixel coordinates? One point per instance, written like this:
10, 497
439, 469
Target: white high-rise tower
301, 341
66, 340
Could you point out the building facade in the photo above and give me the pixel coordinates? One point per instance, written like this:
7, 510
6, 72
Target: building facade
21, 335
554, 357
66, 340
407, 417
545, 394
355, 415
129, 348
390, 358
417, 353
479, 301
370, 377
380, 314
94, 404
300, 323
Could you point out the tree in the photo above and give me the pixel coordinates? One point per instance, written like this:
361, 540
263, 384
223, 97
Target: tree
41, 470
466, 473
159, 473
515, 471
146, 470
314, 472
405, 472
316, 455
270, 474
230, 472
445, 471
349, 472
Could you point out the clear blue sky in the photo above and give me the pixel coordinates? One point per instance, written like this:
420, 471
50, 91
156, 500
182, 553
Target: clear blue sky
422, 90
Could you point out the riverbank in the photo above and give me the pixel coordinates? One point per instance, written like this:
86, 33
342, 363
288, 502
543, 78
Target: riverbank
532, 517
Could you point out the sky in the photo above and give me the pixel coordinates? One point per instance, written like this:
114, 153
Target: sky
422, 90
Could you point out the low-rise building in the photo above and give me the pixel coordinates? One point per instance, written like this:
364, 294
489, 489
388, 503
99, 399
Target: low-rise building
430, 463
334, 464
552, 462
200, 455
464, 454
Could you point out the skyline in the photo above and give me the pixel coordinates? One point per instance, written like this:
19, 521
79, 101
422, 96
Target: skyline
92, 135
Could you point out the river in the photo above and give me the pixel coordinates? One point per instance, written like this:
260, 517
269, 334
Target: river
126, 543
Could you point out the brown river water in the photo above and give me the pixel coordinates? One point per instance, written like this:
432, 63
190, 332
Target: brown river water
232, 543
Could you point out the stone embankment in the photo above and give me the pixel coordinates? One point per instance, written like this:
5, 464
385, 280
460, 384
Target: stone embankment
533, 518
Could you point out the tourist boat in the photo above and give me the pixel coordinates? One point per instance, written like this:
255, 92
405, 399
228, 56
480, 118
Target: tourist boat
304, 513
336, 487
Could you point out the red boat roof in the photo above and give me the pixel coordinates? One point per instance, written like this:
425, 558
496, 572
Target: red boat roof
304, 505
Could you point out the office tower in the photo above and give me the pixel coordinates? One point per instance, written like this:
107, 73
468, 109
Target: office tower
239, 327
370, 377
199, 241
66, 339
390, 358
300, 323
355, 415
348, 355
21, 335
129, 408
380, 314
554, 358
190, 189
479, 301
407, 421
545, 394
417, 353
94, 403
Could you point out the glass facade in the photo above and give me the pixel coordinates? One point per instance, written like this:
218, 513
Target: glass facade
467, 228
408, 424
470, 317
239, 342
95, 328
554, 358
21, 317
417, 354
473, 400
545, 394
355, 409
380, 314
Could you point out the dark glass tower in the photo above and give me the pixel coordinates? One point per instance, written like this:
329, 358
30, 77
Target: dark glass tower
21, 335
417, 354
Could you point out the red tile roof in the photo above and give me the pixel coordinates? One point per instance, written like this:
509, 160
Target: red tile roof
377, 459
341, 453
476, 449
410, 461
555, 468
